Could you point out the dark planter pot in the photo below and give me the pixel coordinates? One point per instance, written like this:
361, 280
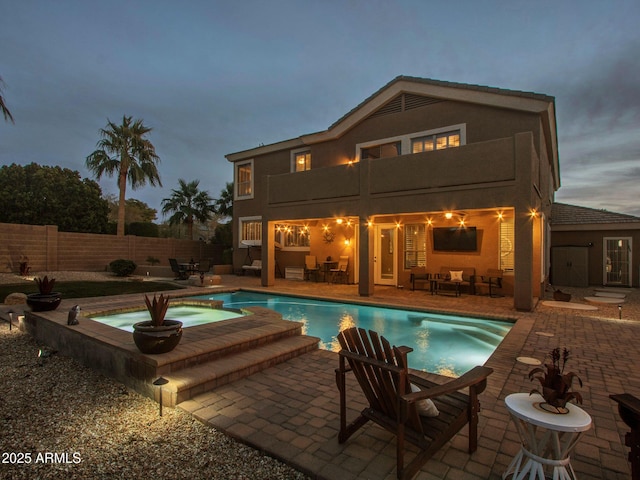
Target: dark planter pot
153, 340
41, 302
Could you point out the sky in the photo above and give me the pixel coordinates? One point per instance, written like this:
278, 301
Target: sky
216, 77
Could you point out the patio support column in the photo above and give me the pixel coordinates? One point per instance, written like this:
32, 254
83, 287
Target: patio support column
268, 274
526, 202
523, 288
365, 256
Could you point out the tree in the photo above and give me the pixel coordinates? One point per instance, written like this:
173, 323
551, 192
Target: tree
124, 150
42, 195
3, 107
136, 211
224, 204
187, 204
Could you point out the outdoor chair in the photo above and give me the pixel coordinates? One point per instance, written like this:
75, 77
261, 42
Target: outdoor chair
397, 398
311, 267
341, 271
492, 280
203, 267
419, 276
180, 272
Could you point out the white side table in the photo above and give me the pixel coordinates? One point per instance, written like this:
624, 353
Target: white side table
547, 438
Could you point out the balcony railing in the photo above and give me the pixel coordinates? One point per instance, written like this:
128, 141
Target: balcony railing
477, 163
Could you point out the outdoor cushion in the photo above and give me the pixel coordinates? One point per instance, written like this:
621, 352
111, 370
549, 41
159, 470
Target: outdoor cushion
456, 276
425, 407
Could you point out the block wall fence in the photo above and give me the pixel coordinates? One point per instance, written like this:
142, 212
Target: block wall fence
48, 249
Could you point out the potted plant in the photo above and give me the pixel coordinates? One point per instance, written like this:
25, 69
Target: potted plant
157, 335
556, 385
46, 299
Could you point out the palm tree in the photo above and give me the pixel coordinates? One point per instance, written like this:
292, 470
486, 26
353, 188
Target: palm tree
224, 204
187, 204
124, 150
3, 107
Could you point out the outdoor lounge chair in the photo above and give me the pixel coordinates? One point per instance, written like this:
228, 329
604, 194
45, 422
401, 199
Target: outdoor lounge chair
180, 272
386, 381
256, 267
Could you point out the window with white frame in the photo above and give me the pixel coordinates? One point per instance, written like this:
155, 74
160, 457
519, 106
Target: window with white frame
244, 180
250, 229
507, 255
301, 160
437, 141
292, 236
416, 142
415, 246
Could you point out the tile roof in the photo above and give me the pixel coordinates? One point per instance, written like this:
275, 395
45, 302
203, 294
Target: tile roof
565, 214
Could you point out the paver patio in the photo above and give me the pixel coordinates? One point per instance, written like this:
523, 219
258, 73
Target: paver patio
291, 410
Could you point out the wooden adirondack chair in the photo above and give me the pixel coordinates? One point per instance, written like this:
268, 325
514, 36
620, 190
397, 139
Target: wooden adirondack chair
383, 376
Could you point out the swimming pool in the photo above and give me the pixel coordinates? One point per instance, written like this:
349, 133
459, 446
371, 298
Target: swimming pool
189, 315
446, 344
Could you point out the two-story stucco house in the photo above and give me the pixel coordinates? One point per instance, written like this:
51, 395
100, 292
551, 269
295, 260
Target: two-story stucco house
423, 173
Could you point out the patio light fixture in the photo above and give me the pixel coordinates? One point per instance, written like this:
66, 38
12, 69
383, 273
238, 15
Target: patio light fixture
159, 382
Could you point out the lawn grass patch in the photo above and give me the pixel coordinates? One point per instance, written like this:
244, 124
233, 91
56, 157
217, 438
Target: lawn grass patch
91, 289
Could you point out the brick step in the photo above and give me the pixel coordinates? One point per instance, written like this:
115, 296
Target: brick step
220, 340
188, 382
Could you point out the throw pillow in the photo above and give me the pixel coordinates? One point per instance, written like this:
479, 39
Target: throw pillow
425, 407
456, 276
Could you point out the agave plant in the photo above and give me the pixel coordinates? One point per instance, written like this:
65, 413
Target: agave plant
45, 286
556, 385
157, 309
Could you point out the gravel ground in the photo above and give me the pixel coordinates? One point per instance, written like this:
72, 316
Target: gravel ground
63, 420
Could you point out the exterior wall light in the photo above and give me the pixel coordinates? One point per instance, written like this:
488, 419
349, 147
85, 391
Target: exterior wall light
448, 215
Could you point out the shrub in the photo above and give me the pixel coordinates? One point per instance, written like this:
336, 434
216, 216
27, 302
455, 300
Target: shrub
122, 267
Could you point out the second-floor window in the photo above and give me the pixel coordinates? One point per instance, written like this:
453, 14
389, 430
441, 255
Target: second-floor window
302, 161
244, 180
438, 141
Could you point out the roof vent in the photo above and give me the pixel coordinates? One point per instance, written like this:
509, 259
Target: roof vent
404, 102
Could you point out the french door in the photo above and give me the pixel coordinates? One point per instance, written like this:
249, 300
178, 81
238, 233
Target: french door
617, 261
385, 265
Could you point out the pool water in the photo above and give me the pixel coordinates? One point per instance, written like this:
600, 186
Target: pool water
446, 344
189, 315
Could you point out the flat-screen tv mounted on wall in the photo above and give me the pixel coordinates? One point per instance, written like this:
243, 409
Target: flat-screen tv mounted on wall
455, 239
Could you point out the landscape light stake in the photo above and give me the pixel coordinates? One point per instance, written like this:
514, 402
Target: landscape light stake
620, 312
158, 383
